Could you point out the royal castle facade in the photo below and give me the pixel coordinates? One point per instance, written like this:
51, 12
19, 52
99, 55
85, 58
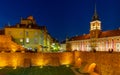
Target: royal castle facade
97, 39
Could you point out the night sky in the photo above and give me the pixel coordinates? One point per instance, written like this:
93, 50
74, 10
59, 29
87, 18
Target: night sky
62, 17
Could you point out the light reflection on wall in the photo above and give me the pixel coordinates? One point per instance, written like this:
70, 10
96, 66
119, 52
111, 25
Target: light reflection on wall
14, 63
78, 62
39, 60
3, 62
91, 67
14, 48
66, 58
17, 59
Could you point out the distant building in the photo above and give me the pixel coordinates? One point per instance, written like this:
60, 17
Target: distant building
29, 34
96, 40
63, 45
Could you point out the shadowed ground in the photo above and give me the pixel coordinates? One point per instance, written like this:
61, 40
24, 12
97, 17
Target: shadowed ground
62, 70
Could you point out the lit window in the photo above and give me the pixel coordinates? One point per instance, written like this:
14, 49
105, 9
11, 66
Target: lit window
94, 27
27, 40
21, 40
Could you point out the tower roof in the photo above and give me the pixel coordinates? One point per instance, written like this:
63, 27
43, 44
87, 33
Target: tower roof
95, 16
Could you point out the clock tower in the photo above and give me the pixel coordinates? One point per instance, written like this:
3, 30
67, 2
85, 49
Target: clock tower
95, 30
95, 25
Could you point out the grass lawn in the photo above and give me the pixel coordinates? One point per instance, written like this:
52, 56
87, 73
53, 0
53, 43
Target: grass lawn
46, 70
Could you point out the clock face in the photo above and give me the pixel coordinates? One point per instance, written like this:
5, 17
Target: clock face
95, 25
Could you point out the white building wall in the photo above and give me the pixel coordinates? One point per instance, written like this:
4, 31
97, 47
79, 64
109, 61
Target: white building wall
103, 44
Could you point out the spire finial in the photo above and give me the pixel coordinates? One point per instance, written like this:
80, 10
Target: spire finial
95, 16
95, 8
9, 24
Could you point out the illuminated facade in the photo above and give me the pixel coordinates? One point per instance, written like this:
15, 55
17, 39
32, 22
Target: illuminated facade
7, 45
63, 45
28, 34
97, 39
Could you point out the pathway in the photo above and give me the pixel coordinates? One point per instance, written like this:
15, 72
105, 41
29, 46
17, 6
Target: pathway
77, 73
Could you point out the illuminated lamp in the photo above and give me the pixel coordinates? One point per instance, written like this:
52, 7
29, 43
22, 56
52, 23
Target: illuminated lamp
79, 59
0, 67
14, 63
13, 50
15, 67
41, 66
67, 65
27, 40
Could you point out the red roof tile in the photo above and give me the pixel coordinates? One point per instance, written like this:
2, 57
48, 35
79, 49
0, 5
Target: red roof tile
82, 37
109, 33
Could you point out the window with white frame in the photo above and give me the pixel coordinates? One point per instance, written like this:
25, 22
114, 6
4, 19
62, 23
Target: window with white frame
27, 40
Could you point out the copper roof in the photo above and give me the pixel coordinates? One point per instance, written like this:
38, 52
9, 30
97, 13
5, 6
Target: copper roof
109, 33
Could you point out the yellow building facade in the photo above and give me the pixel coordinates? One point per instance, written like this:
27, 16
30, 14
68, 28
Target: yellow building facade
30, 35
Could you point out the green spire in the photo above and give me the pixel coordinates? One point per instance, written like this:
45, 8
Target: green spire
95, 16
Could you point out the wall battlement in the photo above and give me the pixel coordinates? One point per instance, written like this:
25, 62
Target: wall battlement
106, 63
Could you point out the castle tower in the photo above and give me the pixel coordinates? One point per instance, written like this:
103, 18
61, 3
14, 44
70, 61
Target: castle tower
95, 25
95, 30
